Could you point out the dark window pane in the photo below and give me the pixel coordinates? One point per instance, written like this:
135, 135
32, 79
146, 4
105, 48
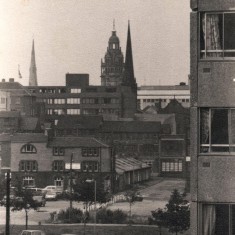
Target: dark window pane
229, 31
233, 219
219, 126
222, 220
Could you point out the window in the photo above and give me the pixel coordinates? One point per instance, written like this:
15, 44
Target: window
217, 130
50, 101
90, 166
172, 165
217, 35
17, 100
75, 90
218, 219
3, 100
28, 166
59, 101
28, 181
90, 111
57, 111
89, 101
28, 148
58, 151
58, 165
73, 111
49, 111
73, 101
90, 152
58, 181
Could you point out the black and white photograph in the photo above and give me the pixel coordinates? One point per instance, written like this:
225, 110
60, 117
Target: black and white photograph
117, 117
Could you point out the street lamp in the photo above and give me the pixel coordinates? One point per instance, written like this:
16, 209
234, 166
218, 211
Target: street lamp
93, 181
8, 182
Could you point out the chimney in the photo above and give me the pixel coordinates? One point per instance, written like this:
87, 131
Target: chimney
11, 79
3, 80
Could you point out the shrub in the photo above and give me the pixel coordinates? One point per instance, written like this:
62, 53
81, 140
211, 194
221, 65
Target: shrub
73, 215
106, 216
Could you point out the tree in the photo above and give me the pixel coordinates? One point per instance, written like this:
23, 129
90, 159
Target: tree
132, 196
86, 192
175, 216
24, 201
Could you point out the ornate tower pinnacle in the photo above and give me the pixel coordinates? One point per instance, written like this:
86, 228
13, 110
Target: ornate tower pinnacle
112, 67
33, 69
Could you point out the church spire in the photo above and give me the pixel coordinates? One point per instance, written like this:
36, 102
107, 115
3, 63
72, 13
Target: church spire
129, 77
33, 69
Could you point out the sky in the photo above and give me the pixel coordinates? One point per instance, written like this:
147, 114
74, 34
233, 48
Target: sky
71, 36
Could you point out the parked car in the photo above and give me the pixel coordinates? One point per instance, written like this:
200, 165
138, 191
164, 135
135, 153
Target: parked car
40, 199
51, 195
139, 197
32, 232
54, 188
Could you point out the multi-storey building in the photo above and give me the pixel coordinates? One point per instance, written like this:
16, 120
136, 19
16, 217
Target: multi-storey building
212, 117
152, 95
116, 97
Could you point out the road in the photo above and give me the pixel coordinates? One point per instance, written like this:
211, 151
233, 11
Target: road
155, 196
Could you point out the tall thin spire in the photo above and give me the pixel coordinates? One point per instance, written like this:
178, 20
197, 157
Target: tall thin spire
129, 77
114, 25
33, 69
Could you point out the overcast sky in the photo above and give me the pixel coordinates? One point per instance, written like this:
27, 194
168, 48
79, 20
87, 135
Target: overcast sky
71, 36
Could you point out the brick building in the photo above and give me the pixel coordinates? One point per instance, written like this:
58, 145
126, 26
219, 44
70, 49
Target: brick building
38, 161
17, 98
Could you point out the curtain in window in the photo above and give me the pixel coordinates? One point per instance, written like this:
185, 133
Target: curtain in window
209, 218
204, 129
211, 31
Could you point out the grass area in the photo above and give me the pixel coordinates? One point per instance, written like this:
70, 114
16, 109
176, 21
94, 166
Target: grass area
100, 230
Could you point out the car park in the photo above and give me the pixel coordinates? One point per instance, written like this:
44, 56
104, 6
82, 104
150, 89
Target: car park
32, 232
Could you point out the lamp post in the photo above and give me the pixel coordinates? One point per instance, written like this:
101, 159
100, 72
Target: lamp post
70, 187
94, 181
8, 181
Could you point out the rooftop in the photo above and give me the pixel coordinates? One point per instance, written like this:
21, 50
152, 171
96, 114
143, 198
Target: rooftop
129, 164
75, 142
29, 138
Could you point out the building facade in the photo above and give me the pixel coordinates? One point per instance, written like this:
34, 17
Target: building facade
212, 117
37, 161
152, 95
16, 97
172, 155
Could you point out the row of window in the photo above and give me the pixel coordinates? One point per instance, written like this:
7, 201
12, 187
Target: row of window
63, 111
60, 151
90, 152
98, 111
29, 181
62, 101
51, 90
164, 100
100, 100
174, 165
58, 165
